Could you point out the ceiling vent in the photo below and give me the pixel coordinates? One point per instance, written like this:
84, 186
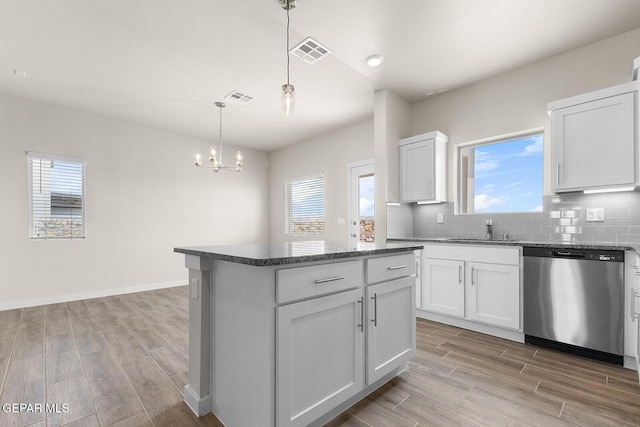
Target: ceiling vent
310, 51
240, 97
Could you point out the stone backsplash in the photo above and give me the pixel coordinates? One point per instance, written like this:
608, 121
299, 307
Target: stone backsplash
563, 219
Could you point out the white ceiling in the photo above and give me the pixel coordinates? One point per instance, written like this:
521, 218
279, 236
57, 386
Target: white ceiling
165, 62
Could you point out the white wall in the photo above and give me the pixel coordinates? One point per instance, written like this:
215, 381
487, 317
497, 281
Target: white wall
517, 100
392, 117
330, 154
143, 198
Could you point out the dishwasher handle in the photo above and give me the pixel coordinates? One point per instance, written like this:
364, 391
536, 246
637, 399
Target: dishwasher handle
569, 255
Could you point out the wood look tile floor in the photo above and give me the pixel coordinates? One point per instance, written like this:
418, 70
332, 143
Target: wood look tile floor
123, 361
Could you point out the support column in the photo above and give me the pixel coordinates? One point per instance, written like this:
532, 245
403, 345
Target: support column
197, 394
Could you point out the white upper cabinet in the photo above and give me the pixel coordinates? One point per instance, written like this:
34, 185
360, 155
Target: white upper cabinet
423, 168
594, 140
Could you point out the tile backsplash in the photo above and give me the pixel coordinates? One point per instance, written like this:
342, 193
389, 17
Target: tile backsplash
563, 219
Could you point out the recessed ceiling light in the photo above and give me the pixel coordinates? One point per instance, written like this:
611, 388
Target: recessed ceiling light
20, 73
374, 60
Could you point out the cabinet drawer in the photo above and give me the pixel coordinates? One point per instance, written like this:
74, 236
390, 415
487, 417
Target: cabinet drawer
392, 267
305, 282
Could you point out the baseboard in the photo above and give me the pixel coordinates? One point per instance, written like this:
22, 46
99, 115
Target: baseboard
496, 331
89, 295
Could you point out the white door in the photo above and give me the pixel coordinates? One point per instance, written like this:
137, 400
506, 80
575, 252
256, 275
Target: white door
493, 294
443, 286
360, 203
391, 331
319, 356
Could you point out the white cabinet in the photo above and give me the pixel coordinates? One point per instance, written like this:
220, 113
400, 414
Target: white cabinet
493, 294
331, 347
423, 168
632, 311
443, 286
418, 279
473, 282
320, 360
391, 334
594, 140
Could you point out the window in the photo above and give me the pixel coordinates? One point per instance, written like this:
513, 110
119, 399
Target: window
502, 175
304, 206
56, 197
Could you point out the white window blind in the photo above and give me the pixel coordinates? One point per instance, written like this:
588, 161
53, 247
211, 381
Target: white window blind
56, 197
304, 206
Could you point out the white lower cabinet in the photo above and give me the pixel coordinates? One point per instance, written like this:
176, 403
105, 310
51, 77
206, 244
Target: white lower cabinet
493, 294
331, 347
632, 311
475, 283
319, 356
443, 286
391, 332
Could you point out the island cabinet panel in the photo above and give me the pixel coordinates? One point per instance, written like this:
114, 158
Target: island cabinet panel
320, 360
391, 332
493, 294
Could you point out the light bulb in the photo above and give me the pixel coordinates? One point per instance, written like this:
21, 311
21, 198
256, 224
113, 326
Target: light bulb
198, 159
288, 99
238, 156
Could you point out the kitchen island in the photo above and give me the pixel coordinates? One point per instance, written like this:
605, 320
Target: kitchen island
292, 334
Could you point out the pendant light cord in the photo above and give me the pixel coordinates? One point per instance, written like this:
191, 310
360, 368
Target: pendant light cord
220, 136
288, 58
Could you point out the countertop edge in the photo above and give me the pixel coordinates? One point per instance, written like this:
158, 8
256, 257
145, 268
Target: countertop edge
274, 261
462, 241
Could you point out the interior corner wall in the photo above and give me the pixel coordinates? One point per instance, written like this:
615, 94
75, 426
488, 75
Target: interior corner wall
392, 121
517, 100
330, 154
143, 198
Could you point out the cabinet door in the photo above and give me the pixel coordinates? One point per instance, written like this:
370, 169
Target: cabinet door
391, 331
417, 171
593, 144
493, 294
319, 356
418, 282
443, 286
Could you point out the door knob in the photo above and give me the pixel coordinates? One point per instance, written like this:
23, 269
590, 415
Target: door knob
353, 235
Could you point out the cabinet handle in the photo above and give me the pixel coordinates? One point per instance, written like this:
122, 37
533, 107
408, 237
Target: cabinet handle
473, 276
330, 279
361, 324
557, 174
397, 267
459, 274
375, 309
635, 313
417, 270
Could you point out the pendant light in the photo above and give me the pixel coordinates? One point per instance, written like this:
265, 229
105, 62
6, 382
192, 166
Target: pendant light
288, 95
215, 156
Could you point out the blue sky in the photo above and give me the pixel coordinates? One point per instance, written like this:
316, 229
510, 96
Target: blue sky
366, 194
508, 176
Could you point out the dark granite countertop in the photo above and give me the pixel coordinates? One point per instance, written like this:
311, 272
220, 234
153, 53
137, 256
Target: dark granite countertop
265, 254
582, 245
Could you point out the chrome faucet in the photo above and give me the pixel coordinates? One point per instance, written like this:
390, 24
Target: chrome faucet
489, 225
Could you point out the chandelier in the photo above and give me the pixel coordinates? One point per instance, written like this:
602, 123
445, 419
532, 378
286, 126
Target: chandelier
215, 156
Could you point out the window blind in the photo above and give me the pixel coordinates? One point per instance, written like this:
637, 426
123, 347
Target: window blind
56, 196
304, 206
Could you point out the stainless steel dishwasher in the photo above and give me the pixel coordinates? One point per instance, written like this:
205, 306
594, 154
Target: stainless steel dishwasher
573, 301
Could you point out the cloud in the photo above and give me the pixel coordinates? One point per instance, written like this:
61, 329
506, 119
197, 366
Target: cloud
484, 201
533, 149
485, 162
366, 206
537, 209
513, 184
